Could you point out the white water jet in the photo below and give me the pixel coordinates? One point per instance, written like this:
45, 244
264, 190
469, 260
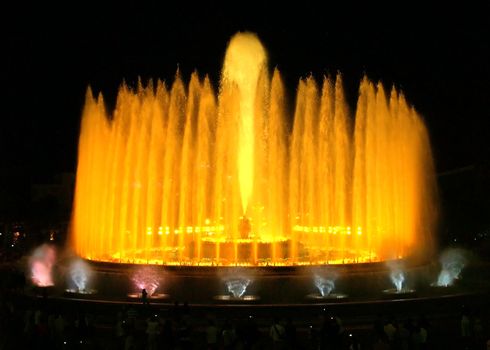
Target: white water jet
324, 285
80, 273
238, 286
452, 262
397, 277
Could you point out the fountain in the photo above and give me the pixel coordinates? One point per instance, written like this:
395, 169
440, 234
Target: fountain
41, 264
182, 176
237, 281
325, 285
237, 287
79, 273
397, 277
147, 278
198, 181
452, 262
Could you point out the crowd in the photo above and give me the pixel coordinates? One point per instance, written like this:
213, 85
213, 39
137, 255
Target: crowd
40, 322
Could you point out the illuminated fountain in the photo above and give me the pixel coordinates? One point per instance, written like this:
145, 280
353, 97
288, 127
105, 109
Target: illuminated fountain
237, 287
41, 264
397, 277
149, 279
79, 273
237, 281
184, 176
325, 283
453, 262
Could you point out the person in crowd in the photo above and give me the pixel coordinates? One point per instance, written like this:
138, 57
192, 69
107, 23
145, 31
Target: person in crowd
152, 331
228, 335
290, 330
277, 333
212, 334
144, 296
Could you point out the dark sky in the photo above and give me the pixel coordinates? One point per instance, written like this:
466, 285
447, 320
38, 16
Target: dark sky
439, 56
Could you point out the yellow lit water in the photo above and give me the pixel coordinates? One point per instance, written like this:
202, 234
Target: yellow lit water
173, 173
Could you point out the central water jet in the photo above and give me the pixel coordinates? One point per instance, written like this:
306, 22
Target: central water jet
245, 62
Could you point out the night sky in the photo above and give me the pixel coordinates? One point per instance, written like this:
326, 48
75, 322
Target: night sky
438, 55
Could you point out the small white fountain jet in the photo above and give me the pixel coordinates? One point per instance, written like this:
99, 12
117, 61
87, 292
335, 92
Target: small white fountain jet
237, 281
324, 281
324, 285
397, 277
452, 262
237, 287
80, 273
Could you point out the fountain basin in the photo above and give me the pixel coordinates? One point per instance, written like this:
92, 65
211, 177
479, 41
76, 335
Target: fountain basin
399, 294
330, 297
231, 299
155, 296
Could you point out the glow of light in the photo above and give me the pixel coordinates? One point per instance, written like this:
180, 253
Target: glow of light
146, 278
41, 265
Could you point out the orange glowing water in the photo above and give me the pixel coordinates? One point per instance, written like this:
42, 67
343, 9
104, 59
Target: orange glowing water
188, 176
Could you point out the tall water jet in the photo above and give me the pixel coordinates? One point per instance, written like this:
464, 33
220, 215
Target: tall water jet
180, 175
245, 63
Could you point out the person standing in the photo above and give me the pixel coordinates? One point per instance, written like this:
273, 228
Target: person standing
212, 333
277, 333
144, 296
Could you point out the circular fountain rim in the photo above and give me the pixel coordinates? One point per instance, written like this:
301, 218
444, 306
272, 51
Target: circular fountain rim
281, 270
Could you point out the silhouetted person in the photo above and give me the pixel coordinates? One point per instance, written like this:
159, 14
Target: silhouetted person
229, 336
212, 334
168, 335
251, 333
330, 333
277, 333
144, 296
381, 343
290, 329
153, 331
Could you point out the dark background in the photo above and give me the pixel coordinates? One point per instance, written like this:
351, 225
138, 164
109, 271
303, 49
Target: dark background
437, 54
